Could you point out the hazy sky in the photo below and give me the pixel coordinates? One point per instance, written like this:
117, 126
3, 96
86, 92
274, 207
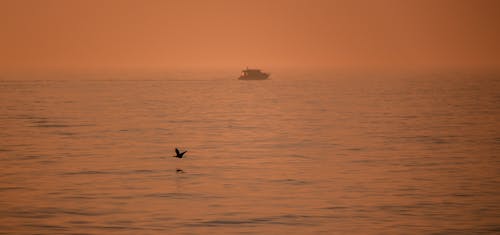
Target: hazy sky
116, 34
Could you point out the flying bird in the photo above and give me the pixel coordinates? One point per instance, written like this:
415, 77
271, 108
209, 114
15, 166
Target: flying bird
179, 154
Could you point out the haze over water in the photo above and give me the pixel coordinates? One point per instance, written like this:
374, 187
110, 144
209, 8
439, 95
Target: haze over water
317, 153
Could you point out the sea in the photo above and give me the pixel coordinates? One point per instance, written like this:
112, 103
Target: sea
308, 153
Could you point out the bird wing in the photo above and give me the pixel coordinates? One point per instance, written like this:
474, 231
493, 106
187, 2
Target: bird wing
177, 151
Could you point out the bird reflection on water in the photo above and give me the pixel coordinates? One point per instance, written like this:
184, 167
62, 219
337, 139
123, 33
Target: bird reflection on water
179, 154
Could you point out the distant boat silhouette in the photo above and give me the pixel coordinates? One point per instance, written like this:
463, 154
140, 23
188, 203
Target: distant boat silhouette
178, 153
253, 74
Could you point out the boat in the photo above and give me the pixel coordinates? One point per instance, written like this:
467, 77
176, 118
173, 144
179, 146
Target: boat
253, 74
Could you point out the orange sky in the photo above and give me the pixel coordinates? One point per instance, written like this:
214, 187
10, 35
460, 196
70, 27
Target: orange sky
118, 34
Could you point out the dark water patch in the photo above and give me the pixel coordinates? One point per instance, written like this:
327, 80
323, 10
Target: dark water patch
439, 141
290, 181
121, 197
400, 210
420, 164
425, 139
410, 195
90, 172
335, 208
171, 195
462, 195
47, 226
290, 220
354, 149
191, 173
131, 130
241, 127
48, 212
30, 214
487, 229
48, 123
51, 125
181, 196
80, 197
298, 156
85, 213
54, 125
65, 133
121, 222
115, 227
127, 172
27, 215
408, 116
181, 121
443, 204
41, 121
494, 228
2, 189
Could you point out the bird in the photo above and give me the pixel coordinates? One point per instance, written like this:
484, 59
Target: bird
178, 153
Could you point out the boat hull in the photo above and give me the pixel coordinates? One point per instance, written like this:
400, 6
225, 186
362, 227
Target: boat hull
260, 77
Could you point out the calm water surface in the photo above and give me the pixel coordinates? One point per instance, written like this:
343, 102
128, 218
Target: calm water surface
304, 155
